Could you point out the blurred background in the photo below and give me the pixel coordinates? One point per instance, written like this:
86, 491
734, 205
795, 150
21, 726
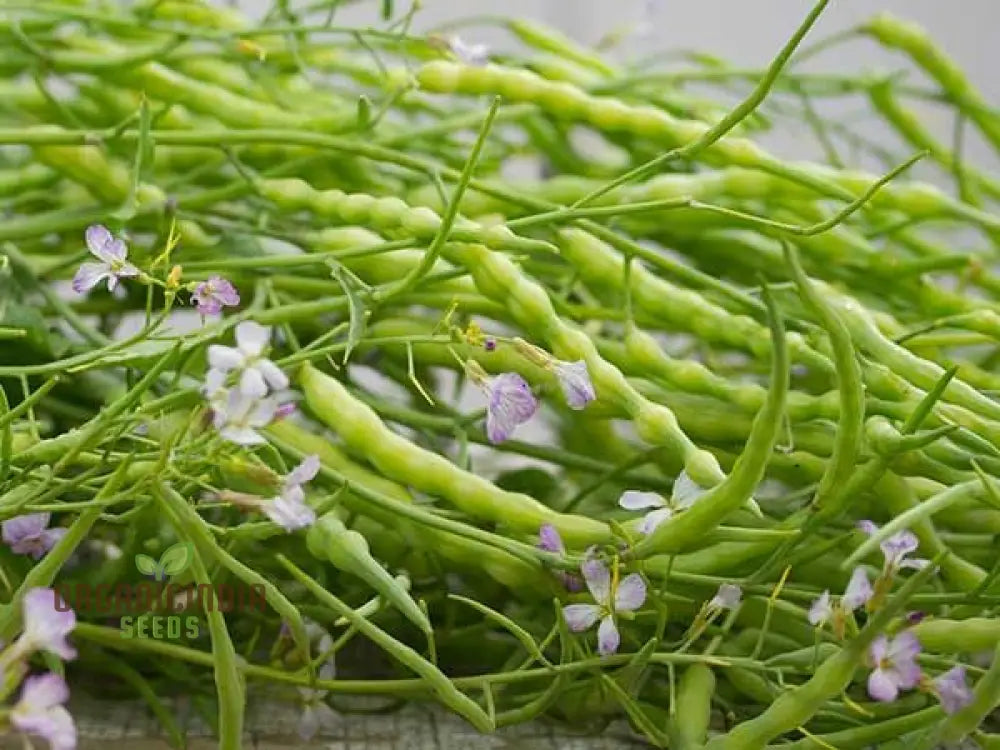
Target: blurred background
746, 35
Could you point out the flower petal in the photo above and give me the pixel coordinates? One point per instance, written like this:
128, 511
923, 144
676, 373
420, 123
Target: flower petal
251, 337
898, 546
44, 691
653, 519
225, 358
904, 646
685, 491
630, 594
882, 686
304, 472
252, 383
868, 527
598, 579
952, 691
89, 275
27, 526
549, 539
96, 237
272, 374
727, 597
878, 650
241, 435
638, 500
510, 403
46, 627
574, 379
608, 637
579, 617
858, 590
820, 611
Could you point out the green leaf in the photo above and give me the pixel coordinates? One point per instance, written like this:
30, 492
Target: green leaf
146, 564
176, 558
356, 307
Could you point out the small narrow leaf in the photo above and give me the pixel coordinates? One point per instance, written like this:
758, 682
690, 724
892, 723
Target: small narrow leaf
356, 307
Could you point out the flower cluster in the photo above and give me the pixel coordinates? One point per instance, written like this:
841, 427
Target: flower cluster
509, 399
858, 592
685, 493
210, 296
259, 396
550, 541
30, 534
39, 710
612, 598
288, 509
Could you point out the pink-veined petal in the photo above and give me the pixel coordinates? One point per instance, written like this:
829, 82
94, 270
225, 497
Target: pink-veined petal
608, 637
631, 593
574, 379
89, 275
579, 617
639, 500
598, 579
549, 539
97, 237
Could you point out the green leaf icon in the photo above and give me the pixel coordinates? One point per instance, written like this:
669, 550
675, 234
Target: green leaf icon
176, 558
145, 564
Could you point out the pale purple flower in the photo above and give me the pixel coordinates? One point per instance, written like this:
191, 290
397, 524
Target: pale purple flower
896, 548
574, 379
40, 712
895, 666
727, 597
30, 535
550, 541
858, 591
316, 715
510, 403
257, 372
470, 54
952, 691
685, 494
45, 626
289, 510
821, 610
213, 294
238, 416
627, 597
113, 265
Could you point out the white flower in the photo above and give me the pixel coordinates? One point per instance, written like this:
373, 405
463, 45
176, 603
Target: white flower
685, 494
238, 416
40, 711
728, 597
247, 357
470, 54
289, 509
316, 715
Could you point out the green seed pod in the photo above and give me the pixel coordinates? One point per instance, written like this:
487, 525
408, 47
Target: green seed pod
347, 550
